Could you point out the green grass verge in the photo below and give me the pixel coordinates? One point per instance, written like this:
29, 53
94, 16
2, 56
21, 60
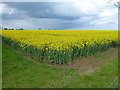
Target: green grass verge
19, 72
0, 63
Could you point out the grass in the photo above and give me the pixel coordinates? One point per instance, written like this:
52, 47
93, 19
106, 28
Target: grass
19, 72
0, 63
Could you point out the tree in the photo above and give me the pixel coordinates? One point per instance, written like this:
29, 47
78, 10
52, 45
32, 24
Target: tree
22, 29
117, 4
5, 29
39, 28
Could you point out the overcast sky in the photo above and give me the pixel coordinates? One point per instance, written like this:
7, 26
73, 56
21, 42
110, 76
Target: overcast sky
78, 15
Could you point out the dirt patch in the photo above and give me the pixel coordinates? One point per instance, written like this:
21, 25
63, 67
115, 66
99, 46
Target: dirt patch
84, 65
87, 65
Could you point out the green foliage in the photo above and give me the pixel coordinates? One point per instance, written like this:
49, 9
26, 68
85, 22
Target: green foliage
59, 57
19, 72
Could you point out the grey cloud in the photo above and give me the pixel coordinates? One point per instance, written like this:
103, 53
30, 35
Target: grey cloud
57, 15
42, 10
13, 16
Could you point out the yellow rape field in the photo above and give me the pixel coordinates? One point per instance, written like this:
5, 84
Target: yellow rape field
55, 45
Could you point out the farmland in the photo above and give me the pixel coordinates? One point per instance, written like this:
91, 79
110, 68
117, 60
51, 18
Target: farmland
33, 58
19, 72
58, 46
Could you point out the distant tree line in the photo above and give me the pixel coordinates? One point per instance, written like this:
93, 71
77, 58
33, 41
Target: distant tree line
20, 29
46, 29
12, 29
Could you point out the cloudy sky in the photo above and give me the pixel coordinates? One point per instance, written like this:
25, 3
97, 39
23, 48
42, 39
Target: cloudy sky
76, 15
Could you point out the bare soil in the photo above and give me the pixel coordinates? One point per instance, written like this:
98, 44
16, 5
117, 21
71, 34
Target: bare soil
84, 65
87, 65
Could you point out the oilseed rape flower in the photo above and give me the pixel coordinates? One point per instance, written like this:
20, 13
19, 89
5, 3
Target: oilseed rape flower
60, 46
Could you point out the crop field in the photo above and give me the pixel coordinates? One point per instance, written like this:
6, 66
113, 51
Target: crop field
59, 58
58, 46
